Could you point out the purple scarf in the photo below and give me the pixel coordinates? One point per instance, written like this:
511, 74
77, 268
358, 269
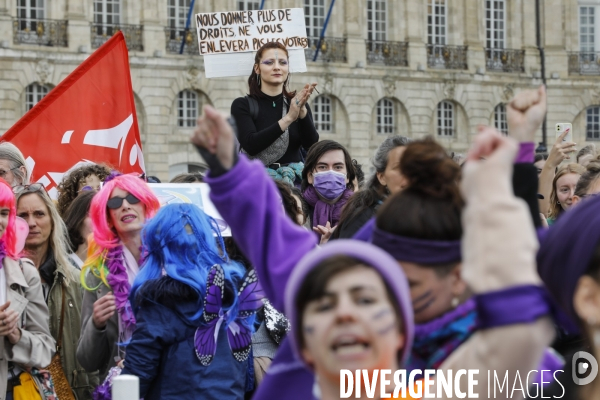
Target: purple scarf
119, 283
2, 253
436, 340
323, 211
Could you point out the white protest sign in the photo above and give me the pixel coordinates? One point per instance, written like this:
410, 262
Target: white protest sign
194, 193
228, 40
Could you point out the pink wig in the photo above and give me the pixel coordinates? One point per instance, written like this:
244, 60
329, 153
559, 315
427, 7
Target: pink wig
7, 199
104, 236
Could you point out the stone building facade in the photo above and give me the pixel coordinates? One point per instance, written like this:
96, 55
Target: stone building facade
416, 68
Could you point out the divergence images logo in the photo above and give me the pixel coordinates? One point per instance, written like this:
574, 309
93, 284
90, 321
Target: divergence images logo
585, 368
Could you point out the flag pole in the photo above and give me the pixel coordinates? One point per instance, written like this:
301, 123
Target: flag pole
323, 30
187, 26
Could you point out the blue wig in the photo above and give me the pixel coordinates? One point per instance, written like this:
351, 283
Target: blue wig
180, 241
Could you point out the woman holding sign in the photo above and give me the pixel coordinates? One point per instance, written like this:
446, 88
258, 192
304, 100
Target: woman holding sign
274, 123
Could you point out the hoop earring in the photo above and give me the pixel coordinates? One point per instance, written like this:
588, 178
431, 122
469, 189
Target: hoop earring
558, 202
258, 79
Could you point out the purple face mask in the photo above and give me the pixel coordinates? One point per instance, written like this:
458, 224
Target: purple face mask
329, 184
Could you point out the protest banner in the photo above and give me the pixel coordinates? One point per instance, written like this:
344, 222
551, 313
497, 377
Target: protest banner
229, 40
194, 193
88, 117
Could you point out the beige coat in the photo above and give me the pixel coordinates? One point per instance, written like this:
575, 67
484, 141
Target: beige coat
499, 249
36, 347
82, 382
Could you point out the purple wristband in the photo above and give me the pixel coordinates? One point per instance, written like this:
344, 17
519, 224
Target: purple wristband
526, 153
497, 308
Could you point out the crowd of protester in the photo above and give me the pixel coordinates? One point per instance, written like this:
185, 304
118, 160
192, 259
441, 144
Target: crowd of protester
435, 261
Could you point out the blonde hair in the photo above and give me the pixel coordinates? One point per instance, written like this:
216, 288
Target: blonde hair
555, 209
58, 241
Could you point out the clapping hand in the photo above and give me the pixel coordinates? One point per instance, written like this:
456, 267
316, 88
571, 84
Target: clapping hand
298, 103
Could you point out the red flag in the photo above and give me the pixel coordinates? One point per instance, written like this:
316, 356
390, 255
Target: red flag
89, 116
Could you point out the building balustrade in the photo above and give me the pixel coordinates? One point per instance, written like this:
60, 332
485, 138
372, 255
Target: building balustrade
331, 49
505, 60
133, 35
446, 57
387, 53
174, 37
584, 63
42, 32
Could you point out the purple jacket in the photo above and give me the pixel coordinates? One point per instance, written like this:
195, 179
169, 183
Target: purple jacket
247, 198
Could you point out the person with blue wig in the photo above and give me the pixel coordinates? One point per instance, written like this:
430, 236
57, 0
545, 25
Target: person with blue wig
194, 310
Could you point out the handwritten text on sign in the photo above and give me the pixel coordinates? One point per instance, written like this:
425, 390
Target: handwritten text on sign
241, 31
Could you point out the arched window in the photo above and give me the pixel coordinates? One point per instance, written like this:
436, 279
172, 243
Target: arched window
323, 114
592, 123
386, 118
33, 94
446, 124
187, 108
500, 118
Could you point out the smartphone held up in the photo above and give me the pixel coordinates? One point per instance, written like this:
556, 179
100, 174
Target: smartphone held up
562, 128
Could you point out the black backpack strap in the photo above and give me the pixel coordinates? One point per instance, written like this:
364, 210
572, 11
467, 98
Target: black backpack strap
253, 104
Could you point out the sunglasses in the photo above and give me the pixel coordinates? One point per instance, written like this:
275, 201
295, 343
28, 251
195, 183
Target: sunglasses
115, 202
34, 187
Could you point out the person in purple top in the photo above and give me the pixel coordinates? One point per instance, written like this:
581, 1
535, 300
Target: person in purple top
248, 201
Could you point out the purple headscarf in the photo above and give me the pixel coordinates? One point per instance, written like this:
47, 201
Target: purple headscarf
422, 251
566, 252
383, 263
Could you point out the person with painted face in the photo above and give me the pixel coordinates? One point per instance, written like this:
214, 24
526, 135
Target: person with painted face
238, 186
421, 227
274, 123
327, 184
